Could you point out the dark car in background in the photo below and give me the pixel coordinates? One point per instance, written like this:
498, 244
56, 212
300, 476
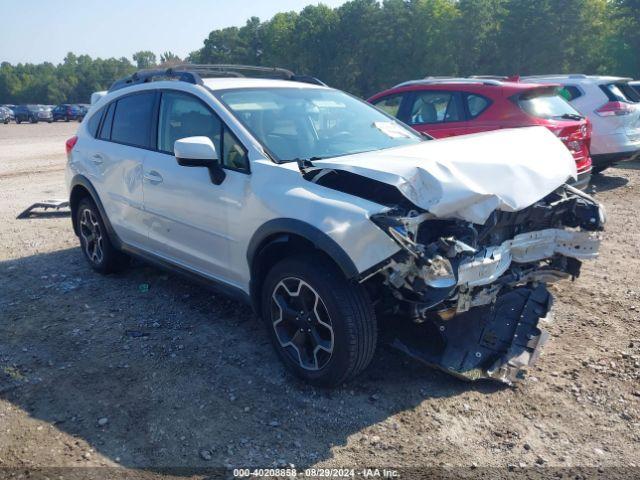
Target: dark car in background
6, 115
68, 112
32, 114
84, 108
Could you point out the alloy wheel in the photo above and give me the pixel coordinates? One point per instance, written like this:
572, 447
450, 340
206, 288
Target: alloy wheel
92, 236
302, 324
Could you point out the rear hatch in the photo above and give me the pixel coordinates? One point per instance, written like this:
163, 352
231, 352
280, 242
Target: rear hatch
562, 119
623, 108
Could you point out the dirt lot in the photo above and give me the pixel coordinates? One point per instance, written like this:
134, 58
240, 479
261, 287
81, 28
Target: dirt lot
145, 370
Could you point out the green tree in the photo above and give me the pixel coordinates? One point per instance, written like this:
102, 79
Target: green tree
364, 46
626, 18
169, 59
144, 59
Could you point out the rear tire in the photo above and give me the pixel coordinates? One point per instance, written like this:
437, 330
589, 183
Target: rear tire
322, 326
95, 243
600, 169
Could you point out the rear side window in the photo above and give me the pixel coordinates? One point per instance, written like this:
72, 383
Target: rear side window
569, 92
390, 104
105, 131
547, 104
476, 104
94, 123
620, 92
434, 107
132, 120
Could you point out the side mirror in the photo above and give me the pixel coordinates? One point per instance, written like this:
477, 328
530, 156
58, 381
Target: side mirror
199, 152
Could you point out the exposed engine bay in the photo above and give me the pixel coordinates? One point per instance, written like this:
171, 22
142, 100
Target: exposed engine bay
475, 294
497, 272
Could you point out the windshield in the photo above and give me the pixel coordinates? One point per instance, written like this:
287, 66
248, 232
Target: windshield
313, 123
547, 105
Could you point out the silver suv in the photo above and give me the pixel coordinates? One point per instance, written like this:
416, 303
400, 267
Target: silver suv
328, 216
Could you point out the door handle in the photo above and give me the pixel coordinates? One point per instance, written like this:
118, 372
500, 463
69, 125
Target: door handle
97, 159
152, 177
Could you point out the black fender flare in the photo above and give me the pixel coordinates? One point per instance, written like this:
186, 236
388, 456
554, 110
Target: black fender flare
81, 181
317, 237
273, 230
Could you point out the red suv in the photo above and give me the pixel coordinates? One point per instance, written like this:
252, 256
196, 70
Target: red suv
444, 107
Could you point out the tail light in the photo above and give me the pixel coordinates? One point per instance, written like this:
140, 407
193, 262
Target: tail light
578, 141
71, 143
615, 109
573, 138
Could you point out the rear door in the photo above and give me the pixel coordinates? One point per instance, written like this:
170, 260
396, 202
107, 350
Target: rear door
115, 162
439, 113
476, 108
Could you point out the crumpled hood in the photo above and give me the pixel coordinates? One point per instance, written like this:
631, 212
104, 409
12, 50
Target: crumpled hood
470, 176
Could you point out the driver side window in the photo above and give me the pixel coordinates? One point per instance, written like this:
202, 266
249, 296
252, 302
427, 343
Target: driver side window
182, 115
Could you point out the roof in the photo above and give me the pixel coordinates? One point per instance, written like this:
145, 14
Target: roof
223, 83
489, 82
197, 73
577, 77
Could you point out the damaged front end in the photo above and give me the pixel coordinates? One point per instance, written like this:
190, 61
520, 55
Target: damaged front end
476, 293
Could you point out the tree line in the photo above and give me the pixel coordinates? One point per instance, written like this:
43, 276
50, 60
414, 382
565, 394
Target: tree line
364, 46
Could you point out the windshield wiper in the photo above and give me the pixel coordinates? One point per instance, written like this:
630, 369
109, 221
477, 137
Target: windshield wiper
572, 116
305, 163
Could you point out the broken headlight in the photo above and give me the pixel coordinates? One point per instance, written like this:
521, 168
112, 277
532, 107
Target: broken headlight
434, 269
438, 272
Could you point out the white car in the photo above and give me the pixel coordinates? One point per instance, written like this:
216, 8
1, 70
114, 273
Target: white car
322, 212
613, 108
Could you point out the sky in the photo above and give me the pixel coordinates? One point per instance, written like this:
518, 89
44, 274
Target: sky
35, 31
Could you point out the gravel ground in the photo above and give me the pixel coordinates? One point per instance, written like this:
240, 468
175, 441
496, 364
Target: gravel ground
144, 370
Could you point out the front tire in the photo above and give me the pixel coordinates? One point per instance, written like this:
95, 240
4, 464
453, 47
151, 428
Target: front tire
96, 245
322, 326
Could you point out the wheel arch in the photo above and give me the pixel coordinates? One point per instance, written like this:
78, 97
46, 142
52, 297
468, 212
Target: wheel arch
280, 237
81, 187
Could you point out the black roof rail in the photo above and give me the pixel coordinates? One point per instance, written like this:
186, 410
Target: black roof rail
194, 73
146, 76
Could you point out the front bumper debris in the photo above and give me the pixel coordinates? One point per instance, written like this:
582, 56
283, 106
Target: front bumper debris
496, 342
472, 296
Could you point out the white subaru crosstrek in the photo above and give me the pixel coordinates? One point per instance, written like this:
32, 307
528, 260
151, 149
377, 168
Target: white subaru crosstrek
329, 216
612, 105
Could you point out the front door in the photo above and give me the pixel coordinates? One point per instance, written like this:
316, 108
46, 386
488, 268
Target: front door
185, 213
